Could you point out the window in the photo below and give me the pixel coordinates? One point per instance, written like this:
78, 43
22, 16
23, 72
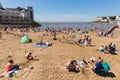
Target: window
21, 20
7, 20
17, 20
20, 17
112, 17
12, 16
7, 16
17, 17
104, 18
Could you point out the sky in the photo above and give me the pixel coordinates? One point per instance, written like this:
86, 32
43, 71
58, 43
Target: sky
67, 10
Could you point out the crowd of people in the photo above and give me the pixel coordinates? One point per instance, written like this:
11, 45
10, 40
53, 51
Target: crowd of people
96, 65
47, 43
111, 48
12, 68
86, 40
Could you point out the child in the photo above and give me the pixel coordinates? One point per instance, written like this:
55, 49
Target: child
30, 56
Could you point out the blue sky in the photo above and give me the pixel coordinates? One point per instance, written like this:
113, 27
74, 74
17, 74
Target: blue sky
68, 10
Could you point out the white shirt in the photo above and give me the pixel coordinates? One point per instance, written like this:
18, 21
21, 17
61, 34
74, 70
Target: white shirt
47, 43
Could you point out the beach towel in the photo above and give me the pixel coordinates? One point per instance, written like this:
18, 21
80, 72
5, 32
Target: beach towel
36, 45
80, 64
106, 66
42, 46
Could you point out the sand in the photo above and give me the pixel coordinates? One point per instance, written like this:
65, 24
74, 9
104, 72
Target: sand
52, 60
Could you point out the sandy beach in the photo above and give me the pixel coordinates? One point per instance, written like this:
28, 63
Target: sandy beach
52, 60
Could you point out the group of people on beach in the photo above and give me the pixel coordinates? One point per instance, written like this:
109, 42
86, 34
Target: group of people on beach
96, 65
111, 48
11, 68
47, 43
86, 40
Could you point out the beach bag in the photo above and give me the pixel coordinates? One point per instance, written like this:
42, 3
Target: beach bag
106, 66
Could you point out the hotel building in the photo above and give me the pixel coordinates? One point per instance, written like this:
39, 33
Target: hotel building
16, 16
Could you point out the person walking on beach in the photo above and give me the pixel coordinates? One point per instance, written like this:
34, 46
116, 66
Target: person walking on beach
54, 34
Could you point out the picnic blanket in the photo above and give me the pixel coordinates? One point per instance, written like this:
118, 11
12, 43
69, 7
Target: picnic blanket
42, 46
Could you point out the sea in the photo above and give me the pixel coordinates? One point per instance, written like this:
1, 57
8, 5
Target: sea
77, 25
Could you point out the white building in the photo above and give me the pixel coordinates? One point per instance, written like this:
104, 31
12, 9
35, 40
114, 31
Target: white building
108, 18
16, 16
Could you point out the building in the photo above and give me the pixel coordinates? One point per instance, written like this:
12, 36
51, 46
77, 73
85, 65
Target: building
108, 18
16, 16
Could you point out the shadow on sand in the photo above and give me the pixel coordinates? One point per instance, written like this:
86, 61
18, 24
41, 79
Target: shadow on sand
92, 45
108, 74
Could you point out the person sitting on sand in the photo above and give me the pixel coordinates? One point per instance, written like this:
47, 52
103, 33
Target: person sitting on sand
40, 42
72, 66
100, 33
100, 60
37, 43
106, 50
30, 56
10, 65
93, 65
98, 67
112, 48
101, 48
97, 64
48, 43
11, 68
94, 61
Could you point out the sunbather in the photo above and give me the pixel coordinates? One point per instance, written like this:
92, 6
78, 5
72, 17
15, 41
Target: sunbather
72, 66
10, 65
101, 48
106, 50
30, 56
48, 43
40, 42
98, 67
112, 48
11, 68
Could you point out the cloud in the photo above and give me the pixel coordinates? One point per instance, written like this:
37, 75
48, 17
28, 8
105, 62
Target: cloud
65, 18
